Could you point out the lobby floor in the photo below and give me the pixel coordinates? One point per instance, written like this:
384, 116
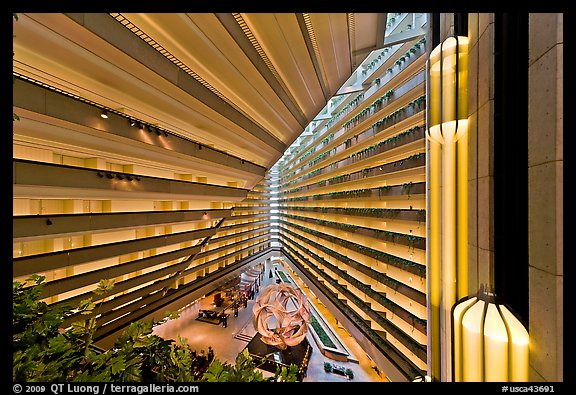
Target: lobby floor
228, 342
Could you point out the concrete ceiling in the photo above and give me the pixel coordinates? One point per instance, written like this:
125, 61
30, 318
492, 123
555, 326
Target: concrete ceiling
247, 84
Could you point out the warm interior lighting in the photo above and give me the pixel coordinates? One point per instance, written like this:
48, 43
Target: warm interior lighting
458, 311
104, 114
448, 132
519, 347
447, 127
490, 343
448, 88
472, 343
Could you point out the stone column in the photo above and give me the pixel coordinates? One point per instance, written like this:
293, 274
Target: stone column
481, 150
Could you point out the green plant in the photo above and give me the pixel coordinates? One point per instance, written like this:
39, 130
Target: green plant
245, 371
327, 367
324, 338
283, 276
44, 351
349, 373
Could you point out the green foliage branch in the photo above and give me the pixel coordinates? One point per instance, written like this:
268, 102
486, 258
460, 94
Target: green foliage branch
44, 351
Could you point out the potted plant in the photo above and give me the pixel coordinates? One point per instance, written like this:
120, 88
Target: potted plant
327, 367
349, 373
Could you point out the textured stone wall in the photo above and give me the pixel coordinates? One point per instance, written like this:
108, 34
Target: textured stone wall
545, 196
481, 149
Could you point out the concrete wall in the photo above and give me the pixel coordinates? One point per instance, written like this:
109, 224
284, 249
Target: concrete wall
545, 179
481, 149
545, 198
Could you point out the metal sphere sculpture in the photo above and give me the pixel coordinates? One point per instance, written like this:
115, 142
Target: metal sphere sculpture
292, 324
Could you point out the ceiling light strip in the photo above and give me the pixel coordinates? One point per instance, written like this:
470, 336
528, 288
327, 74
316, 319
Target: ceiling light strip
352, 26
352, 37
311, 34
244, 26
134, 29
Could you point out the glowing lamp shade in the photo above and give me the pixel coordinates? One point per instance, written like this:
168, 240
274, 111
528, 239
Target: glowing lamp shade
490, 343
447, 117
447, 155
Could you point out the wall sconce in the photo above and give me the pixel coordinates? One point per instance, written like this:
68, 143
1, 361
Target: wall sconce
104, 114
490, 343
447, 127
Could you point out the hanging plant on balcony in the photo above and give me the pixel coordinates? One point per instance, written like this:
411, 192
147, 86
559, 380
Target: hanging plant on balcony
407, 187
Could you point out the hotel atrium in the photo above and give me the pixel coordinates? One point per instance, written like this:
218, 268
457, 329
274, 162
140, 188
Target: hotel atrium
403, 170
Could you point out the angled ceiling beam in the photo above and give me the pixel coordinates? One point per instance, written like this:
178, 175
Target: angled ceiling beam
232, 26
407, 35
113, 32
356, 54
381, 29
393, 39
315, 61
396, 38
